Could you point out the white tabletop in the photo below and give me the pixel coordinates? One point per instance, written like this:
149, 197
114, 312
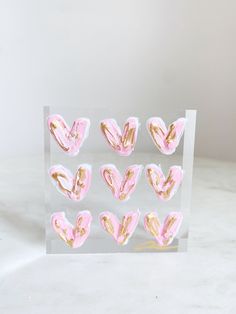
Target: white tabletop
203, 280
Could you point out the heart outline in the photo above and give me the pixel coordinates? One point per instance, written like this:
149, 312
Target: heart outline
69, 139
164, 187
121, 232
164, 233
121, 187
72, 187
73, 236
122, 143
166, 139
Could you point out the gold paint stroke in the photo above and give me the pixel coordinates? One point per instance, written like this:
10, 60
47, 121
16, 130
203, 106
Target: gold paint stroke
108, 225
152, 245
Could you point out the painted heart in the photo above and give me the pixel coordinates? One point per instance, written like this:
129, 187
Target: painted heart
73, 187
165, 188
69, 139
121, 232
121, 187
74, 236
122, 143
163, 233
166, 139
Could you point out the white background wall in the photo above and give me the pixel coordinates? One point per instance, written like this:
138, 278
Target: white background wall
180, 54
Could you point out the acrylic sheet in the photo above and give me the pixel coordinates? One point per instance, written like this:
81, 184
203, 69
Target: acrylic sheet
117, 181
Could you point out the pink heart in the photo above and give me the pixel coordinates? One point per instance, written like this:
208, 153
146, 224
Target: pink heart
73, 187
165, 139
73, 236
165, 188
121, 188
121, 232
122, 143
69, 139
163, 233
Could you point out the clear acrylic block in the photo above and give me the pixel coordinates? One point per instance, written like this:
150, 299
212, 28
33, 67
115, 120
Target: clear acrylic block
96, 152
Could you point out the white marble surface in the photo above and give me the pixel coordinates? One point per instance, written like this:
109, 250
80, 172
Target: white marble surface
199, 281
